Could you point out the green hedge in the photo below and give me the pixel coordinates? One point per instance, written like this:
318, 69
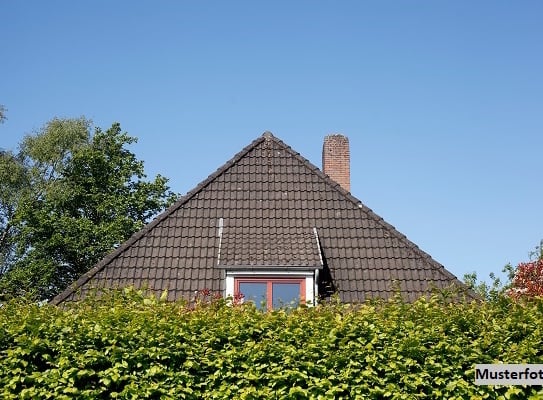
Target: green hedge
125, 345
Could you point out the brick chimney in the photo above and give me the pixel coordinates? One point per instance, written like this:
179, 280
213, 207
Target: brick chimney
336, 160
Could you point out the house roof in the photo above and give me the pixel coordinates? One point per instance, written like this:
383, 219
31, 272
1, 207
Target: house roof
263, 208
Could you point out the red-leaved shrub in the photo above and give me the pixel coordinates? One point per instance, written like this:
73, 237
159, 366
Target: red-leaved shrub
528, 280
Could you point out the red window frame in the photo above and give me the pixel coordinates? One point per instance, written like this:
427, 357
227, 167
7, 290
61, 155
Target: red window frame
269, 286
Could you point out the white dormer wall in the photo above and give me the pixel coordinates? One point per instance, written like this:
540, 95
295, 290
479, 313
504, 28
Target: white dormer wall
310, 281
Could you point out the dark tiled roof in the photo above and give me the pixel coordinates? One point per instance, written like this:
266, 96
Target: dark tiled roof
284, 246
268, 194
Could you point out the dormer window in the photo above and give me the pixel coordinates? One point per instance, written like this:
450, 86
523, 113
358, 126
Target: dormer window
271, 292
272, 271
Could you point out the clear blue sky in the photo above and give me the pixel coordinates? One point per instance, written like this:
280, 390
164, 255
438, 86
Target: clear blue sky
442, 100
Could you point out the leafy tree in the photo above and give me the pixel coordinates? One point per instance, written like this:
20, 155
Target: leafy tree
523, 281
85, 194
527, 280
27, 177
2, 114
537, 253
487, 291
14, 184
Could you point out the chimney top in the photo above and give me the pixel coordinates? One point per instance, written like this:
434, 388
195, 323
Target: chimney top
336, 159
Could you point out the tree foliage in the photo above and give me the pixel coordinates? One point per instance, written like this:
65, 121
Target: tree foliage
126, 345
523, 281
14, 186
74, 196
527, 281
489, 291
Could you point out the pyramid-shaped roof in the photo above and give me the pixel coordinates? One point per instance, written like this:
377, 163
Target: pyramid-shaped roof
268, 206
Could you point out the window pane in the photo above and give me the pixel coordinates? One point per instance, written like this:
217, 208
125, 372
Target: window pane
286, 294
255, 292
